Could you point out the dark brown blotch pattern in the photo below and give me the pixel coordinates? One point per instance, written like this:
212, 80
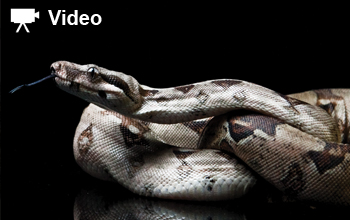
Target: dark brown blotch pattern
131, 139
326, 94
293, 102
330, 102
252, 122
84, 140
197, 126
293, 180
328, 107
136, 162
325, 160
184, 89
184, 170
225, 146
226, 83
146, 93
181, 155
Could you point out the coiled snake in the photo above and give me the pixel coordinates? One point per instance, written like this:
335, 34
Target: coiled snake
189, 143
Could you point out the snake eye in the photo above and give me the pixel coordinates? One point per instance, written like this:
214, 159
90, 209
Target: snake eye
93, 71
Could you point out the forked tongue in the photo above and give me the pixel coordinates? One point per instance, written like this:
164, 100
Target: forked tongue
31, 84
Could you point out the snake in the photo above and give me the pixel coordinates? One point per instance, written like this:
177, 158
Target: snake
210, 140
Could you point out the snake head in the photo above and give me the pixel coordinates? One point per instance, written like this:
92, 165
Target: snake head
105, 88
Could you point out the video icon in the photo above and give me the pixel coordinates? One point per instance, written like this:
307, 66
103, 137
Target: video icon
23, 16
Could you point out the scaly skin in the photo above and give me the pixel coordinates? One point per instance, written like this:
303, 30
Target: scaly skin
181, 142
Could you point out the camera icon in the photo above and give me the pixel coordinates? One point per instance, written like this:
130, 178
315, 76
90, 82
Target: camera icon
23, 16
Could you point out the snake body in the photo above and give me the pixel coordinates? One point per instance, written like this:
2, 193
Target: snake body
190, 143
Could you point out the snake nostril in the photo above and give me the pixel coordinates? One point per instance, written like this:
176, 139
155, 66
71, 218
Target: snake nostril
53, 71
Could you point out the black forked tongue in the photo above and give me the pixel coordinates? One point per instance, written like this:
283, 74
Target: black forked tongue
31, 84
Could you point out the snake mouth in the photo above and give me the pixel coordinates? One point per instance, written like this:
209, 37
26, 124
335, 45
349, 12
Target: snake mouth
66, 85
58, 73
65, 77
59, 70
56, 78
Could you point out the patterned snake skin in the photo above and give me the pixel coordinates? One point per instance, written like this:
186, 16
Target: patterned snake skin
209, 140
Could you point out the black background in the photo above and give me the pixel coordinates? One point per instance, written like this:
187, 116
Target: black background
288, 48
